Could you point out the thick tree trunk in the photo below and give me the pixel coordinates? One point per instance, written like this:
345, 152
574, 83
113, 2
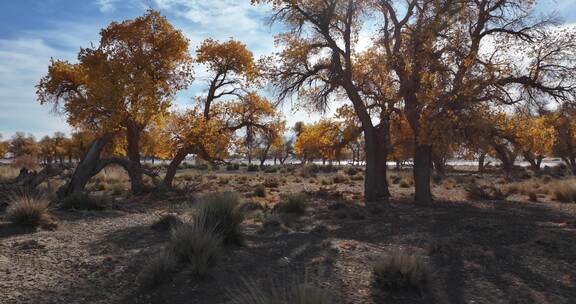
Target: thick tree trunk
86, 168
135, 170
173, 167
375, 181
422, 173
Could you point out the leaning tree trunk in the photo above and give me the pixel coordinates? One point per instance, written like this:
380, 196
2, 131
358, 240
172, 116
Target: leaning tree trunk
173, 167
375, 181
86, 168
135, 171
422, 173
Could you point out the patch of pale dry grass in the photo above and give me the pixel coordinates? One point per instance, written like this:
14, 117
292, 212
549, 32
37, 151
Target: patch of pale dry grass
8, 173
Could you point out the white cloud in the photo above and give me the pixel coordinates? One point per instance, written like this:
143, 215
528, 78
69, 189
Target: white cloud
106, 6
22, 63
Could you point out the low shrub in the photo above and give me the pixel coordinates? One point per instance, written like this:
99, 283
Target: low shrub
294, 203
399, 270
271, 183
260, 191
271, 169
351, 171
485, 192
309, 170
232, 167
325, 182
253, 168
28, 210
221, 213
339, 179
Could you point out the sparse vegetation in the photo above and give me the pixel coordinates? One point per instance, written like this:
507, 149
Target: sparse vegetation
260, 190
294, 203
197, 245
564, 191
221, 213
400, 269
485, 192
292, 292
28, 210
158, 269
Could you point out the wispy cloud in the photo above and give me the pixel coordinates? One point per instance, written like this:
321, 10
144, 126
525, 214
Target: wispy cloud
106, 6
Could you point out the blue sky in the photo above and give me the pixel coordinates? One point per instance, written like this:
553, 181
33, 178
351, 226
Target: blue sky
33, 31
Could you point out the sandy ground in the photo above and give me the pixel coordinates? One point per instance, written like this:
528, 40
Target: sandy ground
510, 251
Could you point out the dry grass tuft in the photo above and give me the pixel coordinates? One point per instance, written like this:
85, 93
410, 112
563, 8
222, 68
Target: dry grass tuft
292, 292
476, 191
294, 203
196, 245
564, 191
29, 210
221, 212
157, 270
400, 269
8, 173
260, 191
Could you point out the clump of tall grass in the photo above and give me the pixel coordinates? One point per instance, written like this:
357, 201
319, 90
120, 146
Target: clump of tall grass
400, 269
294, 291
564, 191
28, 210
157, 269
221, 211
294, 203
196, 245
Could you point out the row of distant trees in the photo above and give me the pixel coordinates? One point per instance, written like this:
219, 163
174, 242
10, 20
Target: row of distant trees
439, 76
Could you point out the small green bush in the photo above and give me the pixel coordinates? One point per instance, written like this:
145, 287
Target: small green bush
253, 168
